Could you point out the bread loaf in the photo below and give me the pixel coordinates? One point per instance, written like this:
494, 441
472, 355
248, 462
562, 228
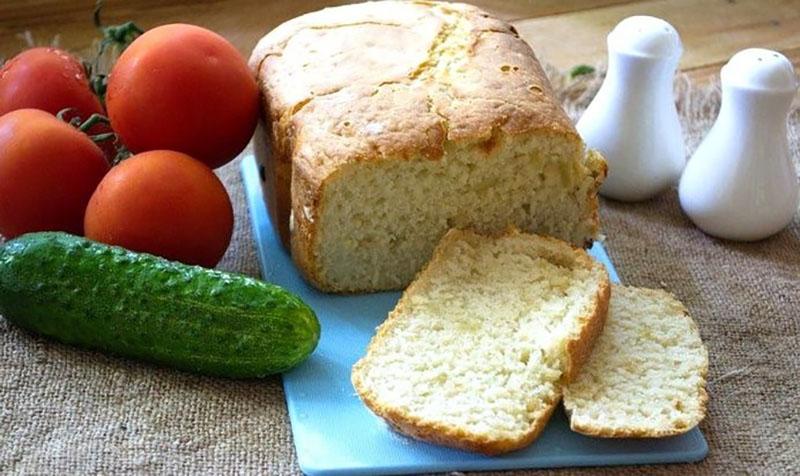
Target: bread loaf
475, 354
385, 124
646, 375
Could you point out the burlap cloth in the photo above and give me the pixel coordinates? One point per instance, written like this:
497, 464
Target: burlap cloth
64, 410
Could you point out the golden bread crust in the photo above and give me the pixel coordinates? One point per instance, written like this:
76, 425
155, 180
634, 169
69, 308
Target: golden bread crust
382, 80
444, 435
580, 347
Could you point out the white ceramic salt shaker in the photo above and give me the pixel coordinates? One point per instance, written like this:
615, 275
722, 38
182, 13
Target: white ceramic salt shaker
740, 184
632, 120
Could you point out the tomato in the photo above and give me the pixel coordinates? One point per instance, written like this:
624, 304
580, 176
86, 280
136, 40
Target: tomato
183, 88
48, 172
163, 203
50, 79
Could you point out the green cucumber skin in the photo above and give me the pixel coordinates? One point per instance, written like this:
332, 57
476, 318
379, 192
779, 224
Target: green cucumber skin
137, 305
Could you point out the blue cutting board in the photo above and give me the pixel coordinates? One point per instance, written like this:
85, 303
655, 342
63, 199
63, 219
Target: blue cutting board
335, 434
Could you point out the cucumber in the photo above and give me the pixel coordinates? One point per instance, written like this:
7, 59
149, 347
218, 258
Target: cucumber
141, 306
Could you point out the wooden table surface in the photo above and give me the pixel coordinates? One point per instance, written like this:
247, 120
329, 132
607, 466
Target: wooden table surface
564, 33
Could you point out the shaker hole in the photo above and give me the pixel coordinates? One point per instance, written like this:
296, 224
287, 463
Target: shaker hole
505, 68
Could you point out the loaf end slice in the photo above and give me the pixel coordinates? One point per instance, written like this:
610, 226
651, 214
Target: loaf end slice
646, 376
475, 354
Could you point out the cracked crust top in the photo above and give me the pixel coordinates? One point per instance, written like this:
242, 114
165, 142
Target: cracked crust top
380, 79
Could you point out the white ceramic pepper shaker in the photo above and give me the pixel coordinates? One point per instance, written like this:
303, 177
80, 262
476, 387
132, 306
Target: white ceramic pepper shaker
632, 120
740, 184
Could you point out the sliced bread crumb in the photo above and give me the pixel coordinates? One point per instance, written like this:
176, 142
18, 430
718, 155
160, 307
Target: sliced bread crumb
475, 353
646, 376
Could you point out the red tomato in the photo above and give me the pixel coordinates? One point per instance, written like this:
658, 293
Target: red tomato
184, 88
51, 80
48, 79
48, 171
163, 203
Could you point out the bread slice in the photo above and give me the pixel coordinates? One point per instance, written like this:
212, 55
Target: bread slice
476, 351
385, 124
646, 376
